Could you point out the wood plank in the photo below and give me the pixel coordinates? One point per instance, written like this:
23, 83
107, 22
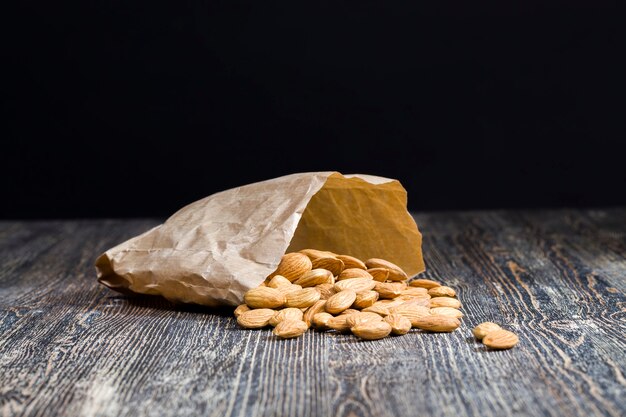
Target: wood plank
69, 346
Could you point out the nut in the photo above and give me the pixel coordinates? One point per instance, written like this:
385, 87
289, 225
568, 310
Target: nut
351, 262
264, 297
362, 317
315, 277
278, 281
355, 284
318, 307
290, 328
289, 313
320, 320
437, 323
389, 289
305, 297
365, 299
339, 323
399, 324
354, 273
395, 272
379, 274
242, 308
255, 319
313, 254
500, 339
442, 291
330, 263
326, 290
481, 330
445, 302
372, 330
446, 311
340, 301
412, 311
424, 283
292, 265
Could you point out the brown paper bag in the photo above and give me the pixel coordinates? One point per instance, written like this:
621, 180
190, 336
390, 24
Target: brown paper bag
212, 251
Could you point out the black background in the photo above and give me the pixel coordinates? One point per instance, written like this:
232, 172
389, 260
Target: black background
125, 109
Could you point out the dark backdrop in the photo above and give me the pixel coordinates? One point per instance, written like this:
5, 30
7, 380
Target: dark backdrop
126, 108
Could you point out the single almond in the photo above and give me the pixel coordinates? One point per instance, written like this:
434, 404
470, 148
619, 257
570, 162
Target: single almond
326, 290
313, 254
378, 309
293, 265
264, 297
242, 308
315, 277
256, 318
399, 324
350, 311
318, 307
362, 317
305, 297
365, 299
415, 291
289, 313
355, 284
331, 263
286, 289
389, 289
413, 312
437, 323
340, 301
446, 311
339, 323
379, 274
320, 320
445, 302
442, 291
424, 283
500, 339
354, 273
395, 272
372, 330
278, 281
481, 330
290, 328
351, 262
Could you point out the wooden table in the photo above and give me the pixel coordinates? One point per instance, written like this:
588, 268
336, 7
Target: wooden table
71, 347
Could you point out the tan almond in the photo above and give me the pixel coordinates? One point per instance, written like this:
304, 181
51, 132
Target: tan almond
442, 291
305, 297
318, 307
278, 281
365, 299
481, 330
415, 291
242, 308
395, 272
351, 262
379, 274
340, 301
286, 289
256, 318
413, 312
446, 311
350, 311
399, 324
290, 328
293, 265
378, 309
316, 253
424, 283
330, 263
372, 330
289, 313
362, 317
339, 323
320, 320
354, 273
264, 297
389, 289
500, 339
445, 302
355, 284
437, 323
326, 290
315, 277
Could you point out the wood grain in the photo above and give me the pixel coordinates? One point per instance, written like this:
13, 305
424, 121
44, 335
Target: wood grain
71, 347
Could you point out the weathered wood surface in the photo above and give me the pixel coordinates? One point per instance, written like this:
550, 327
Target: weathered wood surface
71, 347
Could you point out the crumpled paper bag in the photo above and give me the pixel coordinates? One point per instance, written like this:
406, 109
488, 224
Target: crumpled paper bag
212, 251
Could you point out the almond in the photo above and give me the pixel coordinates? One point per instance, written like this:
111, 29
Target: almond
365, 299
278, 281
286, 289
318, 307
290, 328
446, 311
389, 289
352, 262
355, 284
372, 330
442, 291
395, 272
255, 319
326, 290
362, 317
379, 274
264, 297
330, 263
289, 313
399, 324
415, 291
338, 323
320, 320
424, 283
305, 297
437, 323
445, 302
242, 308
500, 339
315, 277
378, 309
413, 312
354, 273
340, 301
313, 254
481, 330
292, 265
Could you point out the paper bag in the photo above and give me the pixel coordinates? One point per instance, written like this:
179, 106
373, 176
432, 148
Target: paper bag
213, 250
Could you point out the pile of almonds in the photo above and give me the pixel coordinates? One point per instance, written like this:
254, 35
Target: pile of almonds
371, 299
